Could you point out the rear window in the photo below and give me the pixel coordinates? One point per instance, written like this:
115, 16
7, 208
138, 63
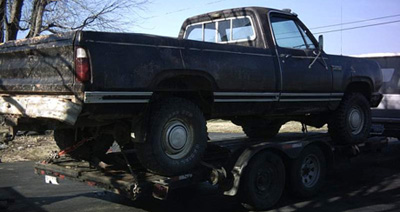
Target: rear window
222, 31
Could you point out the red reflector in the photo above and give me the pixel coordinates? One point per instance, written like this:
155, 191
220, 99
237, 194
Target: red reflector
91, 183
82, 69
42, 172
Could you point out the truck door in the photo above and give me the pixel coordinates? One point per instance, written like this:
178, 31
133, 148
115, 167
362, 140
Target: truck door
301, 83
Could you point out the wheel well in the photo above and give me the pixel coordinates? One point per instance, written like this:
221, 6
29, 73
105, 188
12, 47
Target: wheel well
197, 89
360, 87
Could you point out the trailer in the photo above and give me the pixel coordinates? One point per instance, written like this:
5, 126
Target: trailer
256, 170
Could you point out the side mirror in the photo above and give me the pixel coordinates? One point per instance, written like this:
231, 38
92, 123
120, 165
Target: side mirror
321, 43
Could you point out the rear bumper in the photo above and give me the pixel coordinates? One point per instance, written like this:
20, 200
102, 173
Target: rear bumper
61, 108
376, 99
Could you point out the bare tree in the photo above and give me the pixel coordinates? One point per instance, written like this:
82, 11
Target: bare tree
53, 16
2, 18
12, 25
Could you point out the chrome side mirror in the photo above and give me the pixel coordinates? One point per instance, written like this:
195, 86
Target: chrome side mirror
321, 43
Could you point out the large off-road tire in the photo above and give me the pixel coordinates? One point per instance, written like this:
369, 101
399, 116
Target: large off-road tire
175, 139
261, 130
307, 172
263, 181
66, 138
351, 122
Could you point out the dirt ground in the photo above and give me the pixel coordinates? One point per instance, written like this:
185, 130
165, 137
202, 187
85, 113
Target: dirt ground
28, 148
39, 147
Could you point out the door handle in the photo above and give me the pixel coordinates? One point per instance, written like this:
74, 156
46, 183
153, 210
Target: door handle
285, 56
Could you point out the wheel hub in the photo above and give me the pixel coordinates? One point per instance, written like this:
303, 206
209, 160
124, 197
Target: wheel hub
177, 139
263, 180
310, 171
356, 120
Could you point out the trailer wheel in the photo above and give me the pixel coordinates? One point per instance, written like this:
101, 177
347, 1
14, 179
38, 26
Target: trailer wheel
176, 137
307, 172
263, 181
351, 122
261, 129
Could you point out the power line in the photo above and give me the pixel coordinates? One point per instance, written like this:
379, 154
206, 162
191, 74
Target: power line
357, 27
185, 9
313, 28
336, 30
354, 22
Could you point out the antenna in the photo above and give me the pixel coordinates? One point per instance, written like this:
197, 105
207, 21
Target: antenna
341, 27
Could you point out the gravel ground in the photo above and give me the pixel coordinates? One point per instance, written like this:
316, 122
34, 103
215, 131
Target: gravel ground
28, 148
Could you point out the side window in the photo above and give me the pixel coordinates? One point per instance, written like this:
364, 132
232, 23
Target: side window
194, 32
289, 35
387, 74
222, 31
209, 32
242, 29
309, 43
391, 81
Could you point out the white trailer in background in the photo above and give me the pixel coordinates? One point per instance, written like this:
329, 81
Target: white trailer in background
386, 117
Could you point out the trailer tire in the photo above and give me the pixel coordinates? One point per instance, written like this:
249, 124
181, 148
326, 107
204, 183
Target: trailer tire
307, 172
263, 181
176, 137
261, 130
351, 122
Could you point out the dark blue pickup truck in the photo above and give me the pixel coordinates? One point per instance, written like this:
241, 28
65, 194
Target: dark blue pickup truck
257, 67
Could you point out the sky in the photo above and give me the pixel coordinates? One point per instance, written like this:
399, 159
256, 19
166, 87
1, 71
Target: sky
165, 18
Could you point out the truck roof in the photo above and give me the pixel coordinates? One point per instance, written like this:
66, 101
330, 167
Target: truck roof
228, 12
221, 14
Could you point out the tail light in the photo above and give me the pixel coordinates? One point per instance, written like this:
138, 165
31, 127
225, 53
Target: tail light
82, 66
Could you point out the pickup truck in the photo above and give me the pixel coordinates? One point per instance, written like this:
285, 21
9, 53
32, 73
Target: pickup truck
257, 67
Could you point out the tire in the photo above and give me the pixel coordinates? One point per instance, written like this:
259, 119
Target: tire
261, 129
263, 181
176, 138
351, 122
69, 137
307, 172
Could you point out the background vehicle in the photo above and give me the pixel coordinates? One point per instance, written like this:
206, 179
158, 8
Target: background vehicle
240, 64
387, 114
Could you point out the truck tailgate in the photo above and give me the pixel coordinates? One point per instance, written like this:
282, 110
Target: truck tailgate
37, 78
42, 64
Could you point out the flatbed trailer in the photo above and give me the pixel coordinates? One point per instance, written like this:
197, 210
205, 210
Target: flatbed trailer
258, 170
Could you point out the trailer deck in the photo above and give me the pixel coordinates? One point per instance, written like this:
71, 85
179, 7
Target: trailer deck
224, 164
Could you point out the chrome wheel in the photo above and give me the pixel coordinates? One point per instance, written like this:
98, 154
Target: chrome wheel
177, 139
356, 120
310, 170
